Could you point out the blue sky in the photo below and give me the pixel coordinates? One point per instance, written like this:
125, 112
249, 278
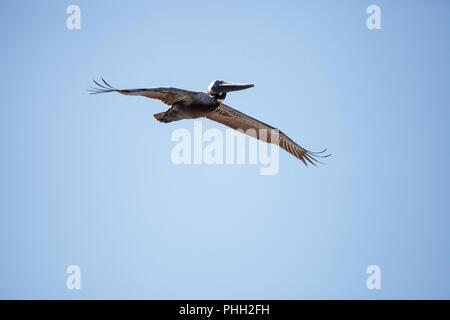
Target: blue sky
88, 180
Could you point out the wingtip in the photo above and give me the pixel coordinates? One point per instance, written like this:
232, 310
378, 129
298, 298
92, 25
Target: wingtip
320, 154
101, 88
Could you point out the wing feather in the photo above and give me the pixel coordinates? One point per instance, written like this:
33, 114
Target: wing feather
167, 95
238, 120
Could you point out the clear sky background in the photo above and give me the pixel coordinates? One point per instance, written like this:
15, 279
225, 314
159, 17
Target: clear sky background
88, 180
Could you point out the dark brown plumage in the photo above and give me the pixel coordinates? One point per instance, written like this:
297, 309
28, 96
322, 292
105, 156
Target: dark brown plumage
186, 104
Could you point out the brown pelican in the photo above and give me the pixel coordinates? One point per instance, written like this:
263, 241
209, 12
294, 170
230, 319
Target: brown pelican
186, 104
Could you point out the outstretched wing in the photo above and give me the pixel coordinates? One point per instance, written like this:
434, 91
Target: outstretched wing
240, 121
168, 95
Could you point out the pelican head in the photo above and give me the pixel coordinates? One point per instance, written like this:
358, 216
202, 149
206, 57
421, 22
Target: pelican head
219, 88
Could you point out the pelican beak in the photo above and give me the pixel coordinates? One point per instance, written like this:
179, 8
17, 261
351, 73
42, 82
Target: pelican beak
224, 86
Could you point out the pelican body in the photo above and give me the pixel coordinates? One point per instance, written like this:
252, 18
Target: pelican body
201, 103
186, 104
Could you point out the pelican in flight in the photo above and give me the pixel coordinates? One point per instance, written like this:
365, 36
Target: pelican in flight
186, 104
